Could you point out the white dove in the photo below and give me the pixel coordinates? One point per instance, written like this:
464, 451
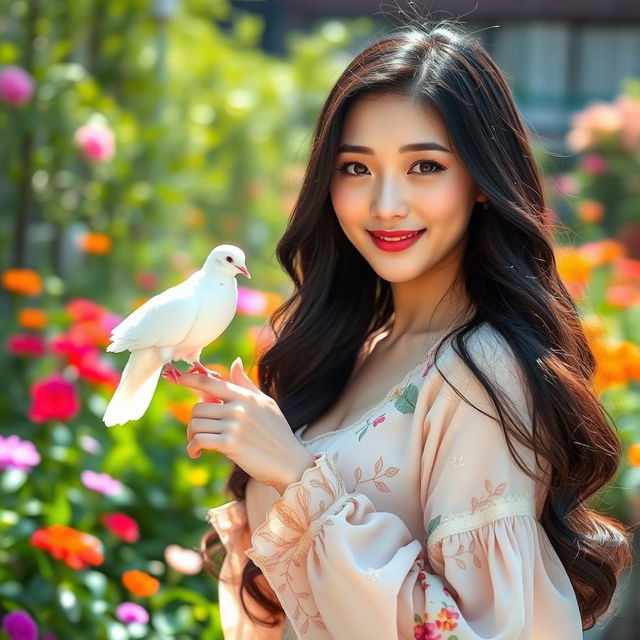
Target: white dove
174, 325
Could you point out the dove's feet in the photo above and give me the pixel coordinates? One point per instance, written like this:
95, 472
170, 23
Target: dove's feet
198, 367
171, 372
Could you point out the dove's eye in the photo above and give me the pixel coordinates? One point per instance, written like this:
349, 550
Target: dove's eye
229, 259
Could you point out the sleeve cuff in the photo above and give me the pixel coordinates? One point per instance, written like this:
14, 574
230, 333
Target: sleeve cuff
228, 520
293, 519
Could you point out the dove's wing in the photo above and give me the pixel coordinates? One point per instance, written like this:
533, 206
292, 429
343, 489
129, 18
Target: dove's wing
163, 320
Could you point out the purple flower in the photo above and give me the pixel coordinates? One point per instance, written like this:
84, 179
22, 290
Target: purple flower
90, 444
129, 612
19, 625
16, 85
101, 482
17, 454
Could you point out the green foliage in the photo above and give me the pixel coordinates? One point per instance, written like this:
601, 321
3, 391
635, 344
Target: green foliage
211, 134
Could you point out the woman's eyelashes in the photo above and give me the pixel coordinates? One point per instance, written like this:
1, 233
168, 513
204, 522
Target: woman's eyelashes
436, 167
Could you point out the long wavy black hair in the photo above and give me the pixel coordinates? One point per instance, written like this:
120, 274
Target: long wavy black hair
508, 270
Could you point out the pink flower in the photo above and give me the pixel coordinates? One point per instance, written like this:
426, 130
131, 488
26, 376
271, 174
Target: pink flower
53, 399
251, 302
378, 420
129, 612
594, 163
565, 185
101, 482
16, 85
122, 525
17, 454
19, 625
26, 344
183, 560
96, 141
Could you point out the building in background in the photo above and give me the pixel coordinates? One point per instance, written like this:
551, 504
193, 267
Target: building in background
557, 56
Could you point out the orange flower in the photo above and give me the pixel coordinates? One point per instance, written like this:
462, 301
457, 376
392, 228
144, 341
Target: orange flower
590, 211
601, 252
573, 268
26, 282
181, 410
633, 454
75, 548
618, 361
629, 354
94, 242
140, 583
32, 318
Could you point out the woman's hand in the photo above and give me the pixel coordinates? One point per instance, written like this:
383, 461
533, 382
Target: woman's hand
247, 427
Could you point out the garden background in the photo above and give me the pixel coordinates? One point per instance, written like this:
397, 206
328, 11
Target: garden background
136, 136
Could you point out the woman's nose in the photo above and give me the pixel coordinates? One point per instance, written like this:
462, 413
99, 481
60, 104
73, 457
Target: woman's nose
390, 200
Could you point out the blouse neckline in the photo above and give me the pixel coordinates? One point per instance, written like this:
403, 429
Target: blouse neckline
423, 363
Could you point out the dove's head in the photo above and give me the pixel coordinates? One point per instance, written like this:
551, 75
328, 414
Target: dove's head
227, 259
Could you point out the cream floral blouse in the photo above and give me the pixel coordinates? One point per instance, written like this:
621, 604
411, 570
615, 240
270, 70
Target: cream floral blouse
414, 522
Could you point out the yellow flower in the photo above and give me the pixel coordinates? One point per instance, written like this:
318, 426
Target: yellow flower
198, 476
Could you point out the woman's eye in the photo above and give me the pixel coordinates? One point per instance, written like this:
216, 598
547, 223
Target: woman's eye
343, 168
431, 163
436, 166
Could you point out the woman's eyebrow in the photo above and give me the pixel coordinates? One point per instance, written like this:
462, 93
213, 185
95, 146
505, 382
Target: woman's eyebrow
416, 146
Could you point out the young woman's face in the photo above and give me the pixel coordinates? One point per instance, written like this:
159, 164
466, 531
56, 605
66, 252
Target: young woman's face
386, 188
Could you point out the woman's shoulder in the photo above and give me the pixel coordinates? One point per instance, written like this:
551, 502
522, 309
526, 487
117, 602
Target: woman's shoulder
492, 354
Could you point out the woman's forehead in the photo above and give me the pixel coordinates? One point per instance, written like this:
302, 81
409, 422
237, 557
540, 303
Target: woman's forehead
392, 117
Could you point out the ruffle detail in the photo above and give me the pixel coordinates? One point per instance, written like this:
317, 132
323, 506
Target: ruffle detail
293, 520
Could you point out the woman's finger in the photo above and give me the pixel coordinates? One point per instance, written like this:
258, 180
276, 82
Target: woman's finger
204, 425
213, 410
208, 441
221, 389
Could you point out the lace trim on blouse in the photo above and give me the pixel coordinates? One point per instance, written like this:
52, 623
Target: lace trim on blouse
501, 507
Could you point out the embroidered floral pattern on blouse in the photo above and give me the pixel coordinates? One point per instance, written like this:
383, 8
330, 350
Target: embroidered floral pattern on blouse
381, 486
461, 550
368, 424
406, 399
475, 504
492, 493
288, 532
446, 620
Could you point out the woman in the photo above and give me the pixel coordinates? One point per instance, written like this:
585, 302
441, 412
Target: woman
417, 460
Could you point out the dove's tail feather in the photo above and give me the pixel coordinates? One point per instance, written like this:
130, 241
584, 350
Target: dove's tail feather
135, 390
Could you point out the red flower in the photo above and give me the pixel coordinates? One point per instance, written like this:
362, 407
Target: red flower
77, 352
53, 399
75, 548
26, 344
81, 309
122, 525
98, 372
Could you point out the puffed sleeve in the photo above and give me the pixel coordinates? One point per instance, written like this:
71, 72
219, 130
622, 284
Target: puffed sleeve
484, 569
231, 523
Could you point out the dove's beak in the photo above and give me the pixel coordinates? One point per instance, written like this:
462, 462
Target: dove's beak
245, 271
